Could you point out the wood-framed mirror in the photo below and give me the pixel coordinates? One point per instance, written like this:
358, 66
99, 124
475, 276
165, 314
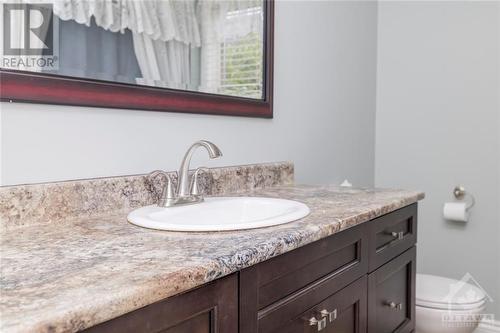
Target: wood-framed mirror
193, 56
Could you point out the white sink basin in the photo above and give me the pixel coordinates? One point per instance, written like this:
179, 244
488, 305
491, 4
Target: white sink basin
220, 214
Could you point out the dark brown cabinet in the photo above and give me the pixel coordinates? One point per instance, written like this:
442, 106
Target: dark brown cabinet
360, 280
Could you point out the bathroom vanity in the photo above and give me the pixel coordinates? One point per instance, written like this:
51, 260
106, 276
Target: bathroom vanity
71, 262
358, 280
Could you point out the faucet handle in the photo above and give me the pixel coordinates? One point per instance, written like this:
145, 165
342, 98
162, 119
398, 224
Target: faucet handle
168, 191
195, 190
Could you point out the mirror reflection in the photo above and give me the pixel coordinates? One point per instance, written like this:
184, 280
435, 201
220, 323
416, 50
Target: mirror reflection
206, 46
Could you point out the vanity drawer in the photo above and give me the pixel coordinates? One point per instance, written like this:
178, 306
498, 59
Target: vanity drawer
391, 296
280, 288
344, 311
340, 255
392, 234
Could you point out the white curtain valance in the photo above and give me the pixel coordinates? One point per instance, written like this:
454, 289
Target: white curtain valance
180, 20
164, 20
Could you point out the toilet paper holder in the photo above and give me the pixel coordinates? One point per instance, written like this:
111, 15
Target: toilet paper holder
460, 193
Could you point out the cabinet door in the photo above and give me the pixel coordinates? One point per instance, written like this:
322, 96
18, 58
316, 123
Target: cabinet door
212, 308
343, 312
391, 296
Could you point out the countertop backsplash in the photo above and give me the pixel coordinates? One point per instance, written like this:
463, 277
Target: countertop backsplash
23, 205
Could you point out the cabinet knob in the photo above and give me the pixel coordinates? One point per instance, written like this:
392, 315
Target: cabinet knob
321, 324
331, 315
395, 306
398, 235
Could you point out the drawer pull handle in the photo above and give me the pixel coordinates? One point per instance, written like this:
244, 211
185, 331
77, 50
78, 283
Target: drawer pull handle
331, 315
321, 324
395, 306
398, 235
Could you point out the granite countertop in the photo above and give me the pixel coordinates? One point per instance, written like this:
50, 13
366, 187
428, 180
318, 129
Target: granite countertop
67, 276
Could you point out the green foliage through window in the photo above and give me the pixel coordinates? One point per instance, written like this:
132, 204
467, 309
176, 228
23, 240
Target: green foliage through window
241, 61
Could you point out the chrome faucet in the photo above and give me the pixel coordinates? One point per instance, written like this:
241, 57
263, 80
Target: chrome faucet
187, 188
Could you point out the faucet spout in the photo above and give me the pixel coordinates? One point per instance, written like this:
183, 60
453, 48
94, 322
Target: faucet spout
184, 183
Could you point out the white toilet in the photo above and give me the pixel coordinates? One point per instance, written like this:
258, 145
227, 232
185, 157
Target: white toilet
446, 305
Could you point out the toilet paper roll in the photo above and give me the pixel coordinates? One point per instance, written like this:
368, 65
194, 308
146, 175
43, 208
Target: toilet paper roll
456, 211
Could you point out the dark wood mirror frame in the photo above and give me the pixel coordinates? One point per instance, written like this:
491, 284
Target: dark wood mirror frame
24, 86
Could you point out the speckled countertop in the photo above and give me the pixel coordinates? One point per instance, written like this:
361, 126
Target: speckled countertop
74, 274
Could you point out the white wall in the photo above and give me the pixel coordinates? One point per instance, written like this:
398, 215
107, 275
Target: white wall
438, 106
325, 69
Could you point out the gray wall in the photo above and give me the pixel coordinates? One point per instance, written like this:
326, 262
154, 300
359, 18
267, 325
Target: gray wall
438, 125
325, 65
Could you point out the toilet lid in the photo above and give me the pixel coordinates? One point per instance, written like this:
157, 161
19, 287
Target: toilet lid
443, 293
